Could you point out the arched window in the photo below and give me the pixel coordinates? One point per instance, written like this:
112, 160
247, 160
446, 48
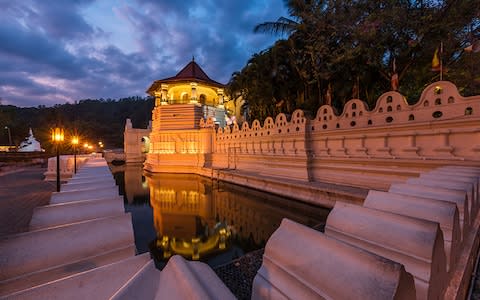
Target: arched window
184, 97
203, 99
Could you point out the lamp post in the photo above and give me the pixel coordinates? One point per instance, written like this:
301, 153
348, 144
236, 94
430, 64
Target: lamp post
9, 136
75, 141
57, 138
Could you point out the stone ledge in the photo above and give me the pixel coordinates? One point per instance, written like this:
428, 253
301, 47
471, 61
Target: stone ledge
86, 194
415, 243
442, 212
301, 263
441, 194
72, 212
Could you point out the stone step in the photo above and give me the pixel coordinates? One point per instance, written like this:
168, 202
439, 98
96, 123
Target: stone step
102, 178
90, 178
72, 212
93, 173
45, 249
415, 243
460, 176
442, 212
301, 263
89, 170
446, 175
98, 165
442, 194
86, 194
453, 185
99, 283
37, 278
87, 185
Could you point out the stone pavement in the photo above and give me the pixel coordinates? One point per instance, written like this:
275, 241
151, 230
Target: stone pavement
20, 192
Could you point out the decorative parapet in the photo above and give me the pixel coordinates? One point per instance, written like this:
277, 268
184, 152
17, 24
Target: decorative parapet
439, 101
209, 123
436, 127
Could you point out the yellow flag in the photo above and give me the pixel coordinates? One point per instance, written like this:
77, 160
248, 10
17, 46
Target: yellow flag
435, 61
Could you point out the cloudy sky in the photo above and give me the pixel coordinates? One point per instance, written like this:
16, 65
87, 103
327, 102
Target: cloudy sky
54, 51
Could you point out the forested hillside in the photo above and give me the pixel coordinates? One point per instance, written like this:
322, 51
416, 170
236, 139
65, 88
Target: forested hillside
94, 120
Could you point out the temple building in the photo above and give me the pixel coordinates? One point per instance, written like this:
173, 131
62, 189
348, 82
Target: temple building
182, 104
194, 95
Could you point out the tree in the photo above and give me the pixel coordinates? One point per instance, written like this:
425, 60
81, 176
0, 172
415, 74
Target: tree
93, 119
337, 47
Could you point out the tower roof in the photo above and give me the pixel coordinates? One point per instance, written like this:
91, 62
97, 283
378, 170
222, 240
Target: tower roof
191, 72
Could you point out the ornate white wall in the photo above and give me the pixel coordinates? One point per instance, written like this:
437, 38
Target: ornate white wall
359, 147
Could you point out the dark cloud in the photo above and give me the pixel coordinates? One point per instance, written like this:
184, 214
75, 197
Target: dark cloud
51, 52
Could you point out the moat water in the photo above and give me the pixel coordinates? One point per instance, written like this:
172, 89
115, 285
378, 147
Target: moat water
204, 219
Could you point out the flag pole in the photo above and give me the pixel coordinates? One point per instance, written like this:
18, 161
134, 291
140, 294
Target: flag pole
441, 61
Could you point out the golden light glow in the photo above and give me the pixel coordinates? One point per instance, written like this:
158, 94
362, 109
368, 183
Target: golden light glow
75, 140
58, 135
85, 145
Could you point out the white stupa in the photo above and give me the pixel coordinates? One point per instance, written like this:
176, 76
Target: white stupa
30, 144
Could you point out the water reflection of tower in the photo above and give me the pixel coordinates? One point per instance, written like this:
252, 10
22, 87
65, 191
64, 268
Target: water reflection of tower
182, 205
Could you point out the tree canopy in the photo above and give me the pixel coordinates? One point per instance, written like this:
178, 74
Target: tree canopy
339, 50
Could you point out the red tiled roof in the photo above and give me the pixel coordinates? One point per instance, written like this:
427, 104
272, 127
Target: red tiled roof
191, 72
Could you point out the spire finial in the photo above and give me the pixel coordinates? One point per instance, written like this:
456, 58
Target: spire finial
193, 57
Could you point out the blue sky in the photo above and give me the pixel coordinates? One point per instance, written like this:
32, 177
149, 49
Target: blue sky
52, 51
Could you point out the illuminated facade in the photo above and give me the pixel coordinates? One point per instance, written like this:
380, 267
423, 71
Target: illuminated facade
192, 86
181, 103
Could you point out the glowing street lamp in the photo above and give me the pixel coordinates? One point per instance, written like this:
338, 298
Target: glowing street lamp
58, 137
75, 141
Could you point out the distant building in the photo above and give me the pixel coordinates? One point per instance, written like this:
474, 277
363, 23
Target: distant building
136, 143
30, 144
